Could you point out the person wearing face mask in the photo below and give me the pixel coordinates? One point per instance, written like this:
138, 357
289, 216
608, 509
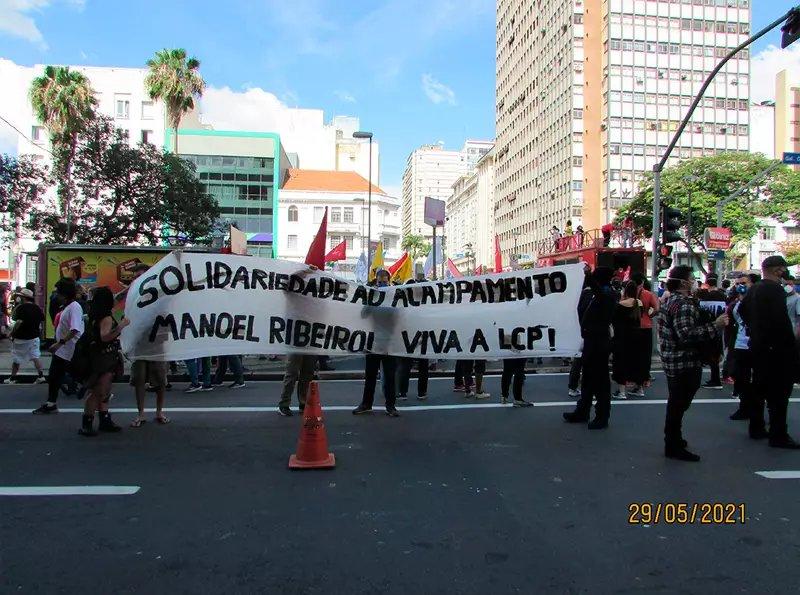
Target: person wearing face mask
739, 352
373, 363
775, 358
681, 332
792, 304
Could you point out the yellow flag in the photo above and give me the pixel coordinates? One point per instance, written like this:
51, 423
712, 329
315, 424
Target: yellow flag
377, 261
404, 272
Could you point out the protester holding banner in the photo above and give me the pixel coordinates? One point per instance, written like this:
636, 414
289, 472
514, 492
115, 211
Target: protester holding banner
595, 320
713, 299
513, 374
374, 362
299, 372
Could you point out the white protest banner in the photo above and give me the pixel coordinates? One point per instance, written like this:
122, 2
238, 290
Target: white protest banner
195, 304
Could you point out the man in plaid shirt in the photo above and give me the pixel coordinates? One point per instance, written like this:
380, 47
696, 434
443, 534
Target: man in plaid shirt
681, 331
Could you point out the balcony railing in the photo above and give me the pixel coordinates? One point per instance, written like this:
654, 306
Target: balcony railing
593, 238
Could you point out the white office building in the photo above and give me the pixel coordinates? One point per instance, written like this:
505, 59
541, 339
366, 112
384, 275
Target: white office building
762, 128
432, 171
302, 203
469, 229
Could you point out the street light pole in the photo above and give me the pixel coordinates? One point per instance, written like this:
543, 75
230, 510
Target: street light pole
368, 135
659, 167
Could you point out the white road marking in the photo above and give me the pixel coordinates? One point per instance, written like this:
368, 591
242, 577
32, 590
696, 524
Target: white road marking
68, 490
378, 407
779, 474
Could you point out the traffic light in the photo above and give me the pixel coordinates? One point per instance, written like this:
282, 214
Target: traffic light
791, 29
671, 223
664, 257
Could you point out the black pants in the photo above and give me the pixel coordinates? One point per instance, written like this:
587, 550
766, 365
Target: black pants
404, 365
373, 364
55, 377
463, 373
743, 378
596, 383
513, 370
682, 389
714, 367
773, 379
575, 373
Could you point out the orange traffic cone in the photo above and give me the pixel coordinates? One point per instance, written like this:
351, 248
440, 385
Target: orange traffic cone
312, 447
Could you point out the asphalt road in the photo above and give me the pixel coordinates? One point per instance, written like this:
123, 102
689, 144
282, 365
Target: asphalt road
441, 500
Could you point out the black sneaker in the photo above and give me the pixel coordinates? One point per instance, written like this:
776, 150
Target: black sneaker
758, 434
302, 408
46, 408
574, 417
598, 423
361, 409
106, 424
739, 415
785, 442
402, 397
522, 403
237, 385
285, 411
392, 412
680, 454
713, 386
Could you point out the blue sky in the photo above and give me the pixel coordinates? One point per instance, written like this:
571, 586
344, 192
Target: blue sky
414, 71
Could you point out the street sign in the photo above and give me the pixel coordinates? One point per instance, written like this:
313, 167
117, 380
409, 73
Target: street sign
434, 211
791, 158
716, 254
718, 238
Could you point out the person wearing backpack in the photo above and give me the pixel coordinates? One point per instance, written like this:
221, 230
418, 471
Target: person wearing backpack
68, 329
104, 361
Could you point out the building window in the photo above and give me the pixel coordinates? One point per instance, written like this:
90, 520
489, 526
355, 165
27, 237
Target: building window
335, 241
291, 244
577, 113
123, 109
348, 214
125, 133
318, 213
577, 185
336, 215
390, 243
577, 161
37, 133
147, 136
147, 110
292, 213
348, 242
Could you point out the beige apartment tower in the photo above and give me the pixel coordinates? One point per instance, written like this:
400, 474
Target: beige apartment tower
787, 113
589, 93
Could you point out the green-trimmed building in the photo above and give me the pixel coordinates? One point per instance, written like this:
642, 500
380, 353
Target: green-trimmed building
243, 171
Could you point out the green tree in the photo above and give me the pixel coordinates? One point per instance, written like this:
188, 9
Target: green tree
708, 180
63, 101
791, 250
416, 246
124, 195
175, 80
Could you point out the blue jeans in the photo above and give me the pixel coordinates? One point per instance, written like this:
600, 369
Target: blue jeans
235, 362
194, 376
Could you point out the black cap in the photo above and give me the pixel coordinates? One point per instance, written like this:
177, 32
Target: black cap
774, 261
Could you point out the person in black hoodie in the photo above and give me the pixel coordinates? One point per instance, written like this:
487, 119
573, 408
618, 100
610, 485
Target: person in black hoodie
595, 319
774, 353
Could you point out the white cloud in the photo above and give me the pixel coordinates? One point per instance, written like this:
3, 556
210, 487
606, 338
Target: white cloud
768, 63
15, 18
345, 96
436, 91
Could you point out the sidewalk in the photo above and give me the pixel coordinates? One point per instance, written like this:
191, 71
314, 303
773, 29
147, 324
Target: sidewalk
348, 367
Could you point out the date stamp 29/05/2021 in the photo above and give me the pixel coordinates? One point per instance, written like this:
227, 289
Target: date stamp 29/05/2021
686, 513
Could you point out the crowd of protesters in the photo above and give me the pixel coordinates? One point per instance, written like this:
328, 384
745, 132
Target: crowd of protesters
747, 332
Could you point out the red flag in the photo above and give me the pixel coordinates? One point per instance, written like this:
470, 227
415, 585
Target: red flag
337, 253
396, 266
498, 257
316, 252
453, 269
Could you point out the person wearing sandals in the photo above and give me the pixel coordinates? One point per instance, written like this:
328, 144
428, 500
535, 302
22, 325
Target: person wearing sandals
105, 361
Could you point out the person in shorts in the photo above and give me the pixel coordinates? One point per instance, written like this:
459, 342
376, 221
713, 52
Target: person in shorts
155, 374
25, 333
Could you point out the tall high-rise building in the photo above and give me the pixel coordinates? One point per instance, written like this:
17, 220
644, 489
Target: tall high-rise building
589, 94
432, 171
762, 128
787, 113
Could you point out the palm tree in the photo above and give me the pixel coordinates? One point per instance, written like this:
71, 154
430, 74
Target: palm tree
175, 80
63, 101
